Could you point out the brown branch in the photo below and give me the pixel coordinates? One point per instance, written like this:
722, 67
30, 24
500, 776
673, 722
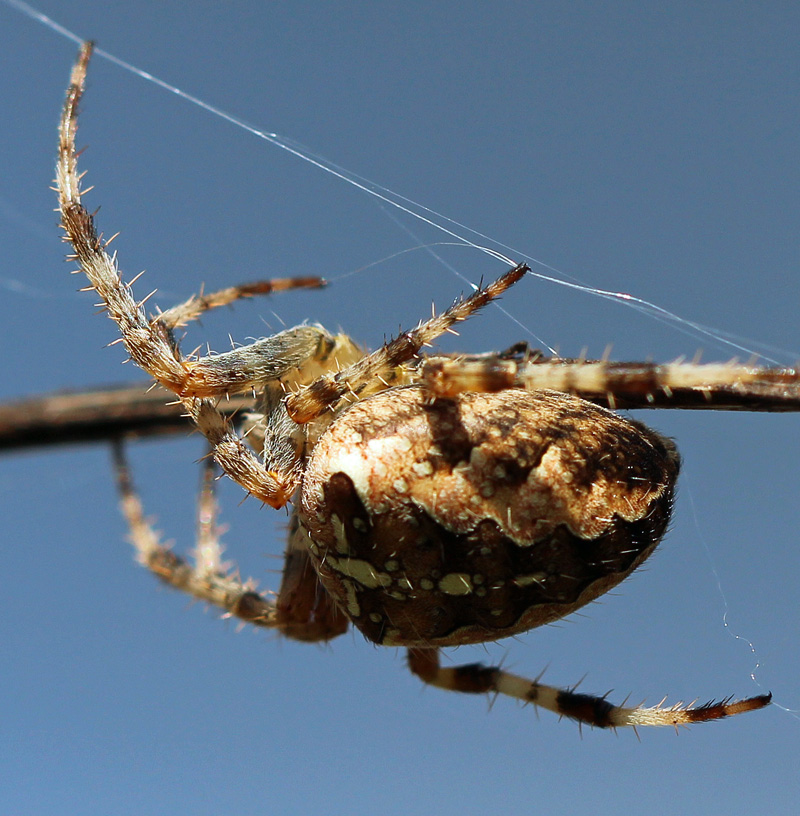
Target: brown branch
78, 417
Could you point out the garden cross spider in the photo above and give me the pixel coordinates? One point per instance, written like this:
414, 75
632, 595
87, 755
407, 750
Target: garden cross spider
437, 501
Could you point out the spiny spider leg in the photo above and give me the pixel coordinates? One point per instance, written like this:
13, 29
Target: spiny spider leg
300, 611
381, 368
209, 579
149, 343
197, 305
150, 346
475, 678
722, 386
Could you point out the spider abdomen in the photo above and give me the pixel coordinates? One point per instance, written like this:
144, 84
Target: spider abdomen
468, 520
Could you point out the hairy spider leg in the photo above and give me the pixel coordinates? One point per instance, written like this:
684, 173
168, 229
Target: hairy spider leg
475, 678
722, 386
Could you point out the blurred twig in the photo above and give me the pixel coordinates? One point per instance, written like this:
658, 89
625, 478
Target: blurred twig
77, 417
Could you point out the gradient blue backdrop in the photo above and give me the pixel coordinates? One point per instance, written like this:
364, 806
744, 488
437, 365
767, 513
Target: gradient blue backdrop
643, 147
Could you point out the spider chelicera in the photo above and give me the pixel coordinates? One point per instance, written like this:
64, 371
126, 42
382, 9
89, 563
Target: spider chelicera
437, 500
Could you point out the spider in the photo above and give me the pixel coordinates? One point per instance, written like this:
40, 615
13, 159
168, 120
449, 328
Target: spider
437, 500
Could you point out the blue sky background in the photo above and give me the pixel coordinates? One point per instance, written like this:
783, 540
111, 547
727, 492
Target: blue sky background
641, 147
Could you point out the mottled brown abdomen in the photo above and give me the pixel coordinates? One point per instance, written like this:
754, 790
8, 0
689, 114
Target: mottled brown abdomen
472, 519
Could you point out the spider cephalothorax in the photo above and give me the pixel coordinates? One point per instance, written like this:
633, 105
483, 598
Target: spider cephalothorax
438, 500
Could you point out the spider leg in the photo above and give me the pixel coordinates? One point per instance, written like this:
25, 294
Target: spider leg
384, 368
718, 386
208, 579
302, 610
191, 309
305, 610
150, 343
475, 678
295, 356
